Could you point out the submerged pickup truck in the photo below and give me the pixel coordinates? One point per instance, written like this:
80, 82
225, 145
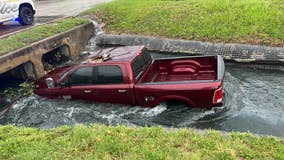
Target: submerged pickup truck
129, 75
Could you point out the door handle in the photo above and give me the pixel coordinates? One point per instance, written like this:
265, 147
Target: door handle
122, 90
87, 91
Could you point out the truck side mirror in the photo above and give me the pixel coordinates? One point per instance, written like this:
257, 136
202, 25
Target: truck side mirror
65, 84
49, 82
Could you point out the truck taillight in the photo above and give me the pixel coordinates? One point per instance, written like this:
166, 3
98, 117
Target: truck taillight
218, 95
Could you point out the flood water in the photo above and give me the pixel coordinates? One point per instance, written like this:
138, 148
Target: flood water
254, 99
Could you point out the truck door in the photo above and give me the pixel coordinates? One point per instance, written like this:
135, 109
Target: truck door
8, 9
102, 83
111, 87
79, 85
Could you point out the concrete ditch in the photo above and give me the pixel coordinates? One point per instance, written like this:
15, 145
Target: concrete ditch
246, 55
26, 63
249, 55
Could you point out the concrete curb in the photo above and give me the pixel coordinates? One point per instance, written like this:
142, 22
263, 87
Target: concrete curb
229, 51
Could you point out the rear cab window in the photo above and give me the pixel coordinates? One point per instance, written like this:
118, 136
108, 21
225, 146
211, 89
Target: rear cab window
109, 75
140, 63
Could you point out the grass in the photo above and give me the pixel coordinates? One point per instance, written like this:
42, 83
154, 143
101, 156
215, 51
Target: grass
103, 142
27, 37
242, 21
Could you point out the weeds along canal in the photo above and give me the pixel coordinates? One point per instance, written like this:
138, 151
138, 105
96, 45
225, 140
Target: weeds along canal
254, 99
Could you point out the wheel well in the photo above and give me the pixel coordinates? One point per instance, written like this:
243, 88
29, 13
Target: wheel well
175, 102
175, 99
25, 5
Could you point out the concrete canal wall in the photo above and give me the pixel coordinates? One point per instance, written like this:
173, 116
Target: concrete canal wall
27, 62
249, 55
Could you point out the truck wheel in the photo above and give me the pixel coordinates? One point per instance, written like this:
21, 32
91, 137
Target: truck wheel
26, 16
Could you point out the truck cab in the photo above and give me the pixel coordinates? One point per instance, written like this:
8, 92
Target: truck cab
17, 10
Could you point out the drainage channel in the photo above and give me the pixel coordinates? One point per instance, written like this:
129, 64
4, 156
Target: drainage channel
254, 97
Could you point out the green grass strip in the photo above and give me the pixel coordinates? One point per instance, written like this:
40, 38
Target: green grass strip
103, 142
242, 21
27, 37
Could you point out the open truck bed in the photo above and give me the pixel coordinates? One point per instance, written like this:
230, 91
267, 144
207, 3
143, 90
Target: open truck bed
182, 69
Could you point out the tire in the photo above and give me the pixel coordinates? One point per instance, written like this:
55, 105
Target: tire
26, 16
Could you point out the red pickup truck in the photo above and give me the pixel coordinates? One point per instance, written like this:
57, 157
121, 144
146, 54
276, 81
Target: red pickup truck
129, 75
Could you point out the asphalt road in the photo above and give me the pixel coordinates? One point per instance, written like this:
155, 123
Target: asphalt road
47, 10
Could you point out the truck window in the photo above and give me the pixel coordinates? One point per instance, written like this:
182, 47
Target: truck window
63, 75
140, 63
96, 75
83, 76
109, 75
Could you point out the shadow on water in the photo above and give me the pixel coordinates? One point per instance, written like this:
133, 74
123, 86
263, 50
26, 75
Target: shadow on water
254, 100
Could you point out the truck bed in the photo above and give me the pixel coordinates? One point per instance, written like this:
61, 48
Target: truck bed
181, 69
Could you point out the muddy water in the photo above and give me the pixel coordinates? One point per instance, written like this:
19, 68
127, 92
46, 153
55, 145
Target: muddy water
257, 102
254, 98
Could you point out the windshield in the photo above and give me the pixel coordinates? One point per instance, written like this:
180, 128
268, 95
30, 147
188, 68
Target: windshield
64, 74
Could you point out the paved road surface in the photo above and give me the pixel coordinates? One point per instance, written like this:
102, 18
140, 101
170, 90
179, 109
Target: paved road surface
65, 7
47, 10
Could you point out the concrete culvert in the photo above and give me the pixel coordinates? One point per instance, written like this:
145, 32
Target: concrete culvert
18, 75
55, 57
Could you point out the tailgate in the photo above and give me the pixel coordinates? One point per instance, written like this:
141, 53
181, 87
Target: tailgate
220, 68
